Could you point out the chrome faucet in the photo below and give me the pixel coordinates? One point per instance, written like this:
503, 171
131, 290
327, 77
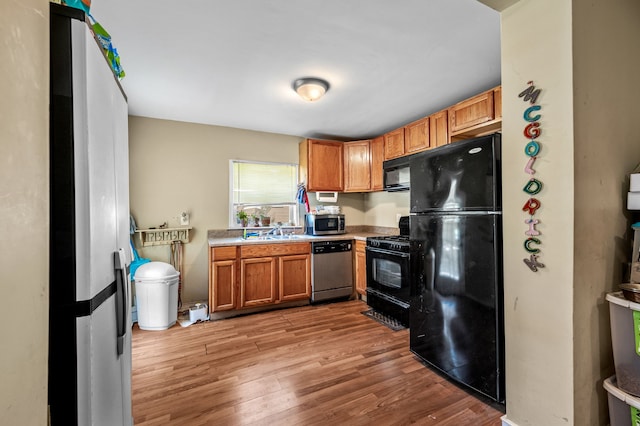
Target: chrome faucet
276, 230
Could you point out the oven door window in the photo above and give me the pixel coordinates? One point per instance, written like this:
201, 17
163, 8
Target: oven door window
387, 273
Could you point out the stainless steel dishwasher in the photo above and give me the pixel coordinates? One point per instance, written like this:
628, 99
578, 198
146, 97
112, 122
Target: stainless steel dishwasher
331, 270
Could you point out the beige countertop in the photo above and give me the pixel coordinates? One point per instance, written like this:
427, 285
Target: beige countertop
218, 242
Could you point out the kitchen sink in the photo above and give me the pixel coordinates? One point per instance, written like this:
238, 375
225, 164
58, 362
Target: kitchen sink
282, 237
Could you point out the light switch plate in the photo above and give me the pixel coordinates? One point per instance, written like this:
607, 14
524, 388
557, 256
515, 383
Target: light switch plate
184, 219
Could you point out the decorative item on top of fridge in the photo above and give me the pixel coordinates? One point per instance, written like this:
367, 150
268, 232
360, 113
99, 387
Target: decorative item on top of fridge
83, 5
533, 186
111, 52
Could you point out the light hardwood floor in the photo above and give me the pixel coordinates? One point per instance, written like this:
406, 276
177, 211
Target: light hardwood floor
314, 365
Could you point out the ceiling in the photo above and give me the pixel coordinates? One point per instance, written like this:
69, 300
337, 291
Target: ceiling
232, 63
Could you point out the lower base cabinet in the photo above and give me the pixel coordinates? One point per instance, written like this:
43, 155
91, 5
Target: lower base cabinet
258, 275
361, 268
257, 282
294, 274
222, 272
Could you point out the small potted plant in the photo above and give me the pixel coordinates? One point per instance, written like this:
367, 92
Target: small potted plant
265, 219
242, 218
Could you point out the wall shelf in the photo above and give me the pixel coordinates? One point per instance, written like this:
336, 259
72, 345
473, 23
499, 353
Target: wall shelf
164, 236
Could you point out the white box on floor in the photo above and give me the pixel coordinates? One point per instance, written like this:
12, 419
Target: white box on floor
624, 409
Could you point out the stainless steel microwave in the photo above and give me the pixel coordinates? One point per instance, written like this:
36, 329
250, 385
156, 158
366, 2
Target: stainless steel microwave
324, 224
396, 174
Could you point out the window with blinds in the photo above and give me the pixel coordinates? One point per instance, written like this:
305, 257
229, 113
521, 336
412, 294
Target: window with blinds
263, 194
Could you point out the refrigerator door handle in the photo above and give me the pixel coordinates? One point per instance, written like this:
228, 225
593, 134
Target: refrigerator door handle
121, 297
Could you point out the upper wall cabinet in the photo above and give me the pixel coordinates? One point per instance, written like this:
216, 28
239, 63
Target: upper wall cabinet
475, 116
357, 166
322, 165
416, 136
438, 129
363, 165
394, 144
377, 157
497, 103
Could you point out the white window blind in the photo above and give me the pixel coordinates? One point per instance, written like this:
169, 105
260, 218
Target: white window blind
264, 183
265, 192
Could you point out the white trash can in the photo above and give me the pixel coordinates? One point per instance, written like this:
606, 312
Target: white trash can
156, 295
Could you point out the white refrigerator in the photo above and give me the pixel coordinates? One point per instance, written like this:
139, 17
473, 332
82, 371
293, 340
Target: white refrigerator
89, 309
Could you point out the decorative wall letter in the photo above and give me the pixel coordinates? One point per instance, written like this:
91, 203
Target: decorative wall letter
532, 149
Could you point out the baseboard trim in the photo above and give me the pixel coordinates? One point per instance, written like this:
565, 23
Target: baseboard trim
507, 422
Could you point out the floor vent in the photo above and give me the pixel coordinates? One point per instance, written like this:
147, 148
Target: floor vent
383, 319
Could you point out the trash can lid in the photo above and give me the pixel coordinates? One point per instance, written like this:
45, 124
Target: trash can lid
154, 271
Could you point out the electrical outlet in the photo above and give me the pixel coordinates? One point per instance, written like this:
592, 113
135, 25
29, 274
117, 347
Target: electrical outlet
184, 219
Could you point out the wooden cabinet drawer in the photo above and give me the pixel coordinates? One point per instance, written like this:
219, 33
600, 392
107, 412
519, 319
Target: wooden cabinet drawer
263, 250
223, 253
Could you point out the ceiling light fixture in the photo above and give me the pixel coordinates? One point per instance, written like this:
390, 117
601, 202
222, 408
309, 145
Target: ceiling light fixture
310, 89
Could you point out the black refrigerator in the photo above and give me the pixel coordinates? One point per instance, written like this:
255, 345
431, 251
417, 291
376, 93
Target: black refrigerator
456, 313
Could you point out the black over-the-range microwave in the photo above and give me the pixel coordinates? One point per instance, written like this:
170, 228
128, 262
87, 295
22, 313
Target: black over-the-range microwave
396, 174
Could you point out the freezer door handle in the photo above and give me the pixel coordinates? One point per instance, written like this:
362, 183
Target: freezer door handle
121, 297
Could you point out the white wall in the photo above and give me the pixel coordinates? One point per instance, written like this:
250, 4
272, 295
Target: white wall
382, 208
536, 45
607, 147
176, 166
24, 209
584, 55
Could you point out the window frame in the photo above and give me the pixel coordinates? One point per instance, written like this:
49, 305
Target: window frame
232, 223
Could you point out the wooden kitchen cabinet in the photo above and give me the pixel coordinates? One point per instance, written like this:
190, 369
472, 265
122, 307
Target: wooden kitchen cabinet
274, 273
257, 281
322, 165
497, 103
471, 112
377, 158
294, 277
476, 116
252, 275
357, 166
361, 268
222, 278
416, 136
438, 129
394, 144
